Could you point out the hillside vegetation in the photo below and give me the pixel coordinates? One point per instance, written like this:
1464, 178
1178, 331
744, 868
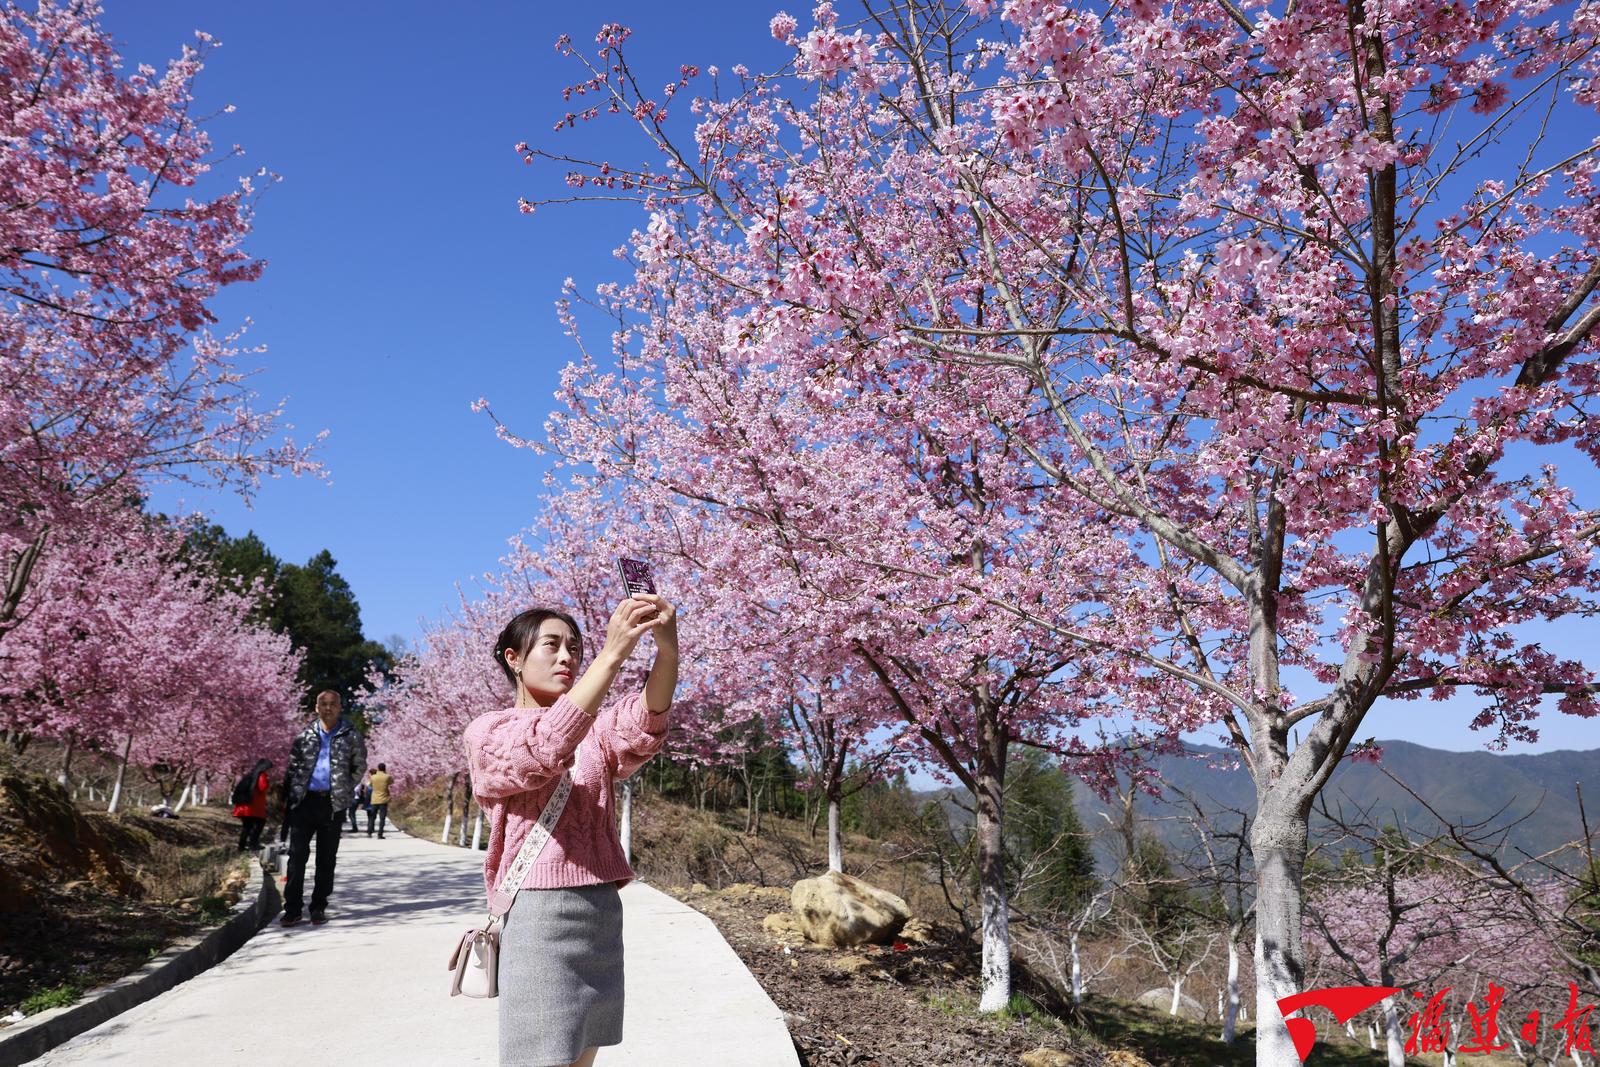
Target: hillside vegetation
87, 897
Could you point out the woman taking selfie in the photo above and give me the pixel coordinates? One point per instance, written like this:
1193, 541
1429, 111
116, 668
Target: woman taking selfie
560, 974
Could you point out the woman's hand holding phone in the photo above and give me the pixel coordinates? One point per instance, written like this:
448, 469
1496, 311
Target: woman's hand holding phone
632, 619
664, 621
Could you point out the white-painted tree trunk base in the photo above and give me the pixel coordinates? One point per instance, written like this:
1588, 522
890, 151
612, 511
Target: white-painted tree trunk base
477, 831
122, 771
1394, 1044
996, 966
1230, 1018
835, 844
444, 835
625, 830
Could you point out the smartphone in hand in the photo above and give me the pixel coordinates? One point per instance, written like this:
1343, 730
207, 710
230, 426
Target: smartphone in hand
637, 576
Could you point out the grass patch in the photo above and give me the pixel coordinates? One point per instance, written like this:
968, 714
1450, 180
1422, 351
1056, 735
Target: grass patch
214, 909
59, 997
1019, 1007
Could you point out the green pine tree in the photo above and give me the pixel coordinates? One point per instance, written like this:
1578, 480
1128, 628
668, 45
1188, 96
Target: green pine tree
313, 604
1044, 835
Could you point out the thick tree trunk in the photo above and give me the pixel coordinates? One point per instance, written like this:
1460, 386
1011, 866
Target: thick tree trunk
1278, 845
1230, 1020
1394, 1041
477, 830
625, 832
205, 793
835, 843
183, 798
995, 907
1177, 996
122, 772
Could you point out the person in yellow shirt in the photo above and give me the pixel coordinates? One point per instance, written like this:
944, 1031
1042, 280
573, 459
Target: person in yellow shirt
379, 811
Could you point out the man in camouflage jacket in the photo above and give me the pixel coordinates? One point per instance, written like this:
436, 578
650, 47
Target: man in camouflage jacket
326, 762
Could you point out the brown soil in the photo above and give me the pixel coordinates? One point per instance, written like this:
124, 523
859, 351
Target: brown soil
87, 897
912, 1003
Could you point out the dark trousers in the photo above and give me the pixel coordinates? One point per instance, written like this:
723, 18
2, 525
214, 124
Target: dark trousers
250, 833
355, 806
379, 814
312, 817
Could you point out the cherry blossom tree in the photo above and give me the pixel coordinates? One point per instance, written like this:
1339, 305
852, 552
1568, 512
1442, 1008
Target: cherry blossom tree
109, 260
128, 647
1286, 297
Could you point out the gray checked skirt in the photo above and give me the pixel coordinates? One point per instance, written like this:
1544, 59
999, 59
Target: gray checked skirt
560, 975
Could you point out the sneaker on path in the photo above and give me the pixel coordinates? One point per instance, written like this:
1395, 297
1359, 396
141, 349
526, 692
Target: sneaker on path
318, 918
288, 920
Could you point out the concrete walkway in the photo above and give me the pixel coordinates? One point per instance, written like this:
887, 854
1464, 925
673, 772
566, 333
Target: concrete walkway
371, 985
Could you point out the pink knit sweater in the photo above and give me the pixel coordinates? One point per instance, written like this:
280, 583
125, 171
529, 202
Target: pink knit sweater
516, 757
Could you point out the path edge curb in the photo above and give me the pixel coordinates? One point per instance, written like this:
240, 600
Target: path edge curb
181, 961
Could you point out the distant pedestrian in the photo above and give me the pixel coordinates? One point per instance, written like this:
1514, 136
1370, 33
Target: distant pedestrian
379, 811
326, 762
357, 803
561, 974
250, 805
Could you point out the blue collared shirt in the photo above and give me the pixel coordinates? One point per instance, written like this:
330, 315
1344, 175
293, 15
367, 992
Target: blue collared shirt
322, 773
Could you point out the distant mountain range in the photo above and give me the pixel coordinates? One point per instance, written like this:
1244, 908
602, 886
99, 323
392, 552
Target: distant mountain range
1464, 787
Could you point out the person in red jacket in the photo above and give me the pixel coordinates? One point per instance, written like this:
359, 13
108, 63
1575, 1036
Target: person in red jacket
250, 805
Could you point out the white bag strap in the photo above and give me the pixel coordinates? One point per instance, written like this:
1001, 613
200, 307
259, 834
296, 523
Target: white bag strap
532, 845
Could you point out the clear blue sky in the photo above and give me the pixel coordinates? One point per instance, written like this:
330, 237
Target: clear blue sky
402, 283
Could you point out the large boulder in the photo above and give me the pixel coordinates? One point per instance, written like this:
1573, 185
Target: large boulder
839, 911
